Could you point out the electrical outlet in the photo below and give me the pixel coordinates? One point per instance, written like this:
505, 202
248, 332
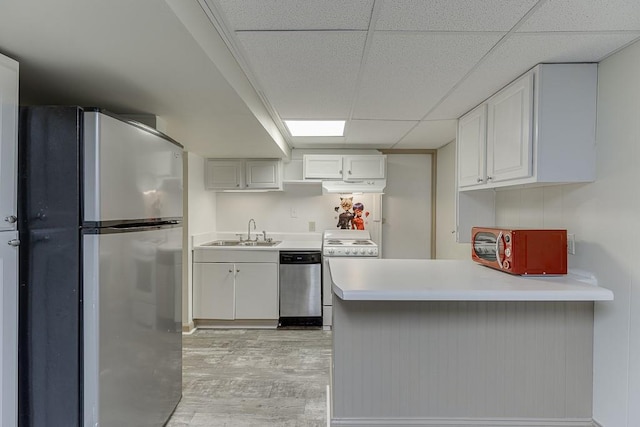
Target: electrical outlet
312, 226
571, 244
294, 212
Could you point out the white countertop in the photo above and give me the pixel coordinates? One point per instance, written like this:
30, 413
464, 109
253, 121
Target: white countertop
450, 280
285, 245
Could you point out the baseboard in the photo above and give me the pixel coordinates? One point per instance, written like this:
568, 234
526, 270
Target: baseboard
235, 324
189, 328
460, 422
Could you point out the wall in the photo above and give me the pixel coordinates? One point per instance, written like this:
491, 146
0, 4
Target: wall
604, 216
446, 246
273, 210
200, 217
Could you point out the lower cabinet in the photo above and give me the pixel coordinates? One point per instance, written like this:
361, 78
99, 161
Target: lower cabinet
230, 291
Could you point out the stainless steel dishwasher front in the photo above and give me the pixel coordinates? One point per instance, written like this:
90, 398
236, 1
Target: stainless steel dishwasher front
300, 288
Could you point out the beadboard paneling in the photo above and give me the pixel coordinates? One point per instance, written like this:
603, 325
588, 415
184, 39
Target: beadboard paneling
457, 359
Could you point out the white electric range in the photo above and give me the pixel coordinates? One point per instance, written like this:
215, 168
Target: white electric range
342, 243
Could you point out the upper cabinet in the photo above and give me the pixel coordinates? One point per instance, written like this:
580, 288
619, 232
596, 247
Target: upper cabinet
236, 174
346, 168
539, 130
8, 142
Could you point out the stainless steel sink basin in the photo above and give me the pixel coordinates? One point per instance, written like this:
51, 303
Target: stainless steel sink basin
222, 243
238, 243
258, 243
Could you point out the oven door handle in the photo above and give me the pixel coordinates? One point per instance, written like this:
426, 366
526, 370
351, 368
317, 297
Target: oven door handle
500, 236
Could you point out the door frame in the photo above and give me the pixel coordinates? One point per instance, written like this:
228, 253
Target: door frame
434, 177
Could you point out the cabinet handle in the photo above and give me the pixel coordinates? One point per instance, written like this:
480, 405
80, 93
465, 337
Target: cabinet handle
479, 179
238, 271
231, 271
14, 242
340, 172
489, 178
237, 185
11, 219
349, 172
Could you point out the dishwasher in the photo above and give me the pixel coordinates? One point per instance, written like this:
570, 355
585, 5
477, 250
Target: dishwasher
300, 289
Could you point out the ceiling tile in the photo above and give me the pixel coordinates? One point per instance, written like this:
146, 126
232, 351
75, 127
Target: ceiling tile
296, 14
452, 15
585, 15
429, 134
381, 132
306, 75
520, 53
406, 74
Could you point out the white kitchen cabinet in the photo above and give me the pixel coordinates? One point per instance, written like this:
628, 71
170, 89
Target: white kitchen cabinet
472, 140
236, 290
256, 291
213, 290
364, 167
540, 131
263, 174
346, 168
240, 174
8, 142
224, 174
317, 166
509, 136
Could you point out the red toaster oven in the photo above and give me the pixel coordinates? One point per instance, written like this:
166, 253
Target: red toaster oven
520, 251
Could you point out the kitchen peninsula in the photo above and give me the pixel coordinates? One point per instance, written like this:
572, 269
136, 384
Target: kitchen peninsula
450, 342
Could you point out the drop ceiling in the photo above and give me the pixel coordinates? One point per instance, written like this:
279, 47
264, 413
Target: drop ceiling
224, 74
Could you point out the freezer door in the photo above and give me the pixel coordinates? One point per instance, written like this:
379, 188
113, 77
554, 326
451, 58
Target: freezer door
132, 327
130, 173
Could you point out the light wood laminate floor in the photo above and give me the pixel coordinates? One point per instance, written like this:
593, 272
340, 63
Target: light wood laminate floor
256, 378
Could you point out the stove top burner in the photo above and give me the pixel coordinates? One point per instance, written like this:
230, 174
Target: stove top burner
348, 242
334, 242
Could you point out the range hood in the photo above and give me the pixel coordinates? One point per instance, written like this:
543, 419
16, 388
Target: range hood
369, 186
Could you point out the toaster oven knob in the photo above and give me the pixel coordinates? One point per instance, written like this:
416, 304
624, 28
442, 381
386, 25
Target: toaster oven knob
506, 265
507, 252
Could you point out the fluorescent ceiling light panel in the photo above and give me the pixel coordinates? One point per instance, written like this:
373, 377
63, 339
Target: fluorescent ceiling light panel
315, 127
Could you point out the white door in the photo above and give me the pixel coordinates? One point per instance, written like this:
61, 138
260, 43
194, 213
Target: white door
263, 173
257, 290
364, 167
472, 139
213, 290
406, 207
9, 330
509, 137
221, 174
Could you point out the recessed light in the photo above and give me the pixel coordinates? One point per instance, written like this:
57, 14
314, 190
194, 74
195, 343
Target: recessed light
315, 127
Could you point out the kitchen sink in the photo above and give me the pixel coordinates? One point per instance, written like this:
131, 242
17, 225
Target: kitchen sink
258, 243
238, 243
222, 243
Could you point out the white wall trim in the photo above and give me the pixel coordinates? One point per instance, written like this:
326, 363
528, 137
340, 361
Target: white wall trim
461, 422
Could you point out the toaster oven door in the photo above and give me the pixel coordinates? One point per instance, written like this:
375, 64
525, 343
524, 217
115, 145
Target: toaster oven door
488, 247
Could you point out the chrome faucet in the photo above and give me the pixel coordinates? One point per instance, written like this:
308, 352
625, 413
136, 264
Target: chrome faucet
249, 229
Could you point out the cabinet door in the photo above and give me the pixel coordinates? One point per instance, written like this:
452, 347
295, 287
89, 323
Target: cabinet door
472, 139
322, 167
263, 173
364, 167
223, 174
8, 329
8, 141
213, 290
257, 291
509, 137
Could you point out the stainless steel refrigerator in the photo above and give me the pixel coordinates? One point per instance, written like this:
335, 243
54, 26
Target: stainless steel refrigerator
100, 213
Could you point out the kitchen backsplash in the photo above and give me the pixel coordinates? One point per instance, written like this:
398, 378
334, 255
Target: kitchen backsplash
299, 209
